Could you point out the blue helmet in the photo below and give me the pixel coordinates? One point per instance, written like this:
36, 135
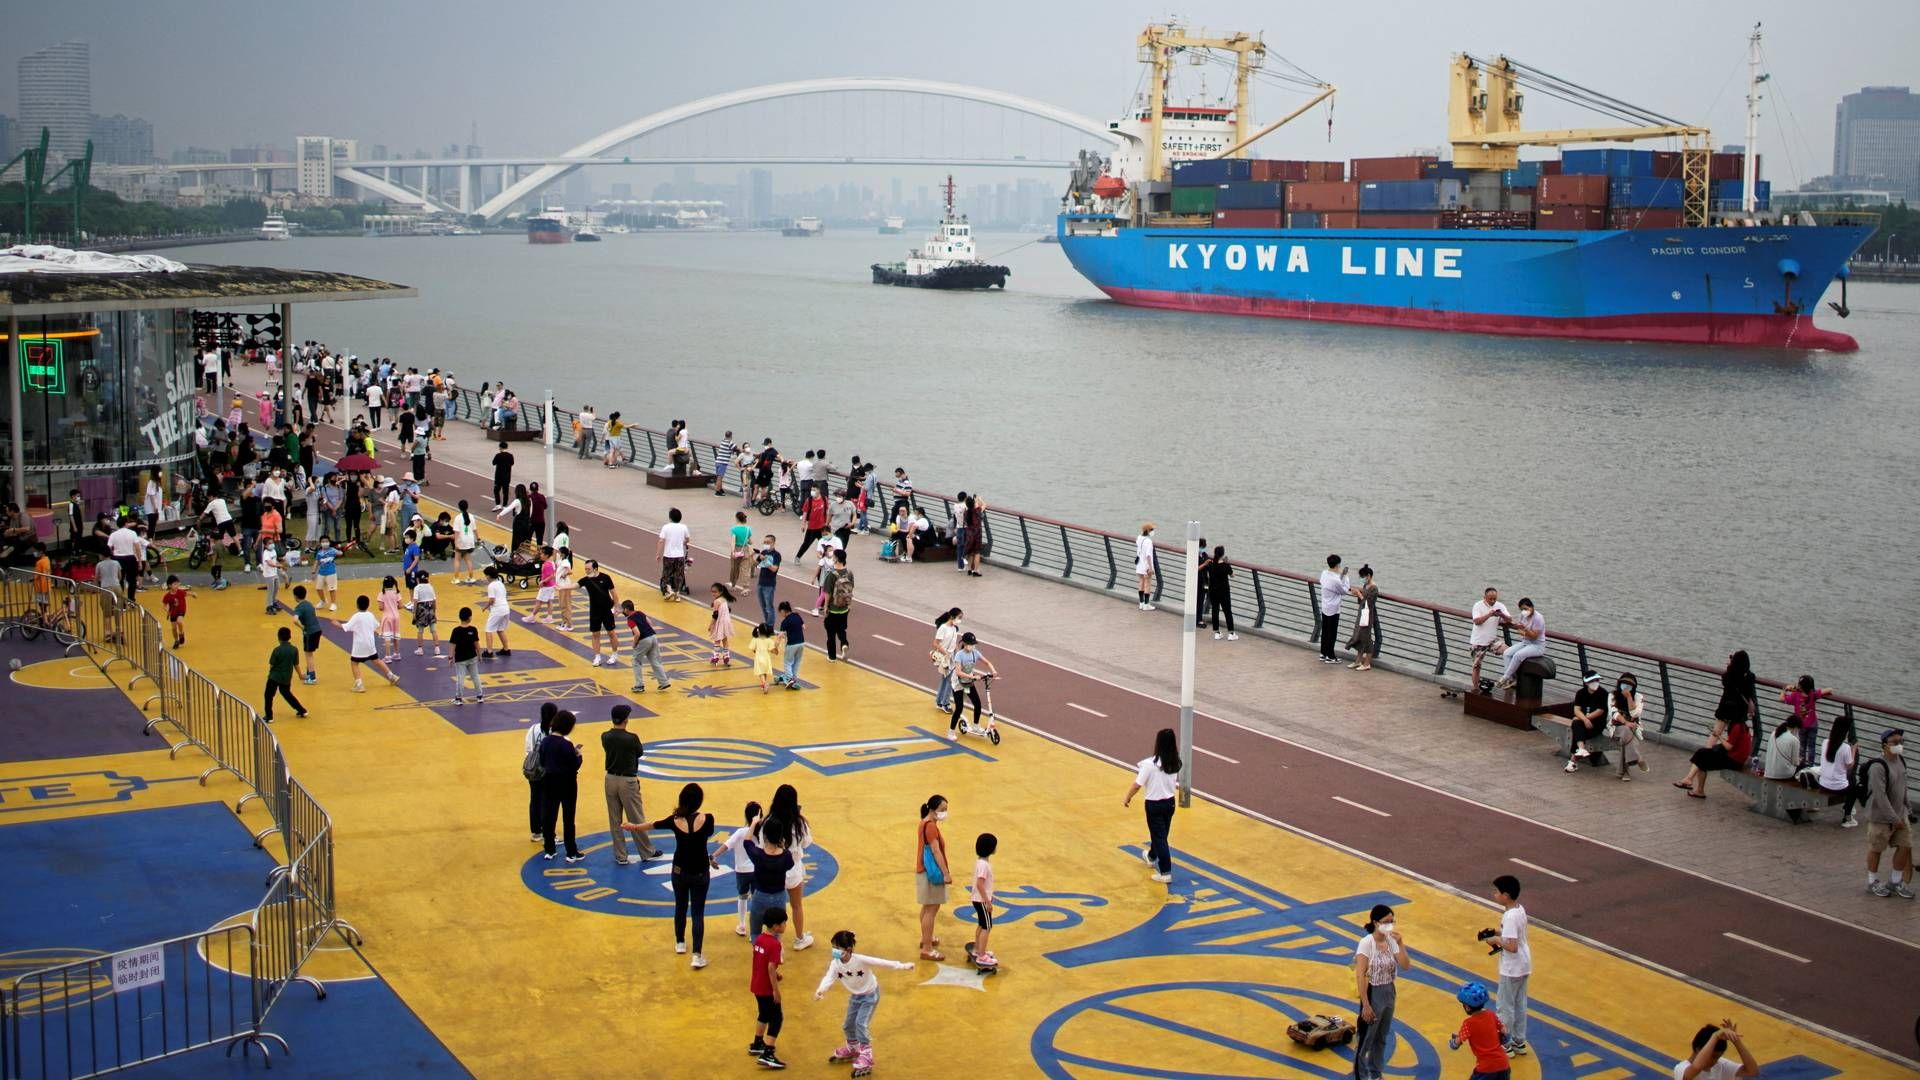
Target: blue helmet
1473, 995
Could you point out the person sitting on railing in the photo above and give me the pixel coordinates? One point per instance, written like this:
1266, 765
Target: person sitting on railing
1728, 749
1589, 716
1532, 629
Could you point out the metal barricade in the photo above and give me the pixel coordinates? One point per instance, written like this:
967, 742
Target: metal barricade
105, 1013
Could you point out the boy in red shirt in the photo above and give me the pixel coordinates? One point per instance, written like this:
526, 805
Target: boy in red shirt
175, 602
766, 987
1482, 1033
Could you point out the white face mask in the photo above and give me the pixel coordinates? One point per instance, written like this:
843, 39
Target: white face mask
939, 815
1899, 749
1385, 927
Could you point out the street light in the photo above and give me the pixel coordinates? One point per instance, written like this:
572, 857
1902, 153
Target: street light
1887, 255
1189, 627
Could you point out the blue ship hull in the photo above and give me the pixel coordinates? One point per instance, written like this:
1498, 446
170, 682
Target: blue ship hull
1712, 286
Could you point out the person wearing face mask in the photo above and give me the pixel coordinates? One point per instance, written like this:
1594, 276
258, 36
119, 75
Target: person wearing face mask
1887, 812
1144, 566
854, 971
930, 873
1377, 962
1625, 709
1532, 630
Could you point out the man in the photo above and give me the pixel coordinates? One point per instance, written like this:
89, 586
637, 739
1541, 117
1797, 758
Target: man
672, 549
793, 635
76, 519
767, 578
1489, 614
840, 518
902, 491
1589, 717
1532, 627
1333, 592
280, 667
502, 476
210, 371
803, 481
1516, 963
124, 545
763, 469
838, 584
332, 497
822, 473
600, 602
1887, 812
1709, 1045
250, 507
622, 749
646, 648
815, 512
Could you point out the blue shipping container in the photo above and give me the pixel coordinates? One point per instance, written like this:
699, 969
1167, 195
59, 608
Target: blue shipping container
1303, 219
1646, 193
1616, 163
1409, 196
1524, 175
1212, 171
1251, 195
1730, 189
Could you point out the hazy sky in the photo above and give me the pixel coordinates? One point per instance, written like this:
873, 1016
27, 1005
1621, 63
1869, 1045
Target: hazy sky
538, 77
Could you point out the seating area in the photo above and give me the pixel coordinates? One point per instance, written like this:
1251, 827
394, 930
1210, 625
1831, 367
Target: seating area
667, 478
1782, 799
1559, 729
1529, 697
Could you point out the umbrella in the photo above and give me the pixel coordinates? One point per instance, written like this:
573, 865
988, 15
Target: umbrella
357, 463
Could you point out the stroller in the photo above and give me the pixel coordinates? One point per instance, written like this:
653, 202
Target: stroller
519, 568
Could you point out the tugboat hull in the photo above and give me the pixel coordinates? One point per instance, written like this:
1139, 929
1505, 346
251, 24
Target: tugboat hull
969, 276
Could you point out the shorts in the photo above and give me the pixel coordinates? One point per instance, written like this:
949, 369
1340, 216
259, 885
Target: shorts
719, 470
1497, 648
982, 915
926, 893
769, 1013
600, 620
743, 881
1881, 836
43, 599
497, 621
545, 595
310, 642
329, 579
363, 659
797, 876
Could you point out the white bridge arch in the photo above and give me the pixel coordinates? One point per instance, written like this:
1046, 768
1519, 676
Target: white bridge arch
495, 207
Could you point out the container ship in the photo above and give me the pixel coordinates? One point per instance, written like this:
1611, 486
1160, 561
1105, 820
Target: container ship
549, 227
1606, 243
804, 227
893, 225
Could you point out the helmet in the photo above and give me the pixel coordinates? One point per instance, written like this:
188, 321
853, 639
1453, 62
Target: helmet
1473, 995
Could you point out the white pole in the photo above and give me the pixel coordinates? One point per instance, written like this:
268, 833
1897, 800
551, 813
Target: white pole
1188, 631
1751, 150
548, 439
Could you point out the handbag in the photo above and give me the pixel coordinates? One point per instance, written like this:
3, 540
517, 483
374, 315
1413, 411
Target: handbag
932, 865
530, 766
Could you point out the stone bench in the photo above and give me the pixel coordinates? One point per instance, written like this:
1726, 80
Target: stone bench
1560, 729
672, 481
1782, 799
499, 434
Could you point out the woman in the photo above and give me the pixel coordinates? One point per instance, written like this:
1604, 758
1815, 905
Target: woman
351, 508
1377, 962
969, 667
930, 873
1143, 565
466, 536
1739, 694
1783, 752
785, 811
1804, 699
563, 585
1203, 583
720, 625
902, 534
1217, 590
976, 520
946, 640
1725, 749
1366, 627
560, 787
537, 512
1156, 777
1624, 711
521, 509
1836, 767
692, 867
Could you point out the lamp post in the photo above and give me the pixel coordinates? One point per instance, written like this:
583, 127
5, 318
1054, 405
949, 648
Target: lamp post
547, 437
1188, 628
1886, 256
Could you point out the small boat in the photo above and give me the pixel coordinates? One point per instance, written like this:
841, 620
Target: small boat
892, 225
273, 228
803, 226
945, 261
585, 235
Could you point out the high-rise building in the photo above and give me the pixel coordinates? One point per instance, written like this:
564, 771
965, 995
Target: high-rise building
9, 138
317, 156
56, 92
122, 140
759, 196
1876, 138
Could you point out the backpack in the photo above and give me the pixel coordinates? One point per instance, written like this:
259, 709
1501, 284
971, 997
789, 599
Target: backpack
842, 592
1860, 774
530, 766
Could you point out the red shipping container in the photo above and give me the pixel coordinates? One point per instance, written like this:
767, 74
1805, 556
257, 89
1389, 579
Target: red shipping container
1399, 221
1326, 171
1647, 218
1343, 219
1279, 170
1550, 168
1391, 168
1249, 219
1732, 166
1666, 164
1571, 217
1323, 196
1572, 191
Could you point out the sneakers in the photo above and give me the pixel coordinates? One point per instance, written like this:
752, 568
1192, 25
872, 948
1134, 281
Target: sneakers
330, 607
1878, 888
699, 961
311, 678
1850, 822
359, 687
739, 930
459, 701
757, 1047
576, 858
1572, 765
419, 651
1233, 637
768, 1061
1899, 890
1581, 752
1505, 684
1163, 878
1216, 635
680, 948
636, 689
1148, 607
802, 941
1515, 1049
596, 660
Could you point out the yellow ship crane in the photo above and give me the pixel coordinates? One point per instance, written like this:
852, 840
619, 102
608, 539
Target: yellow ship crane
1484, 122
1160, 43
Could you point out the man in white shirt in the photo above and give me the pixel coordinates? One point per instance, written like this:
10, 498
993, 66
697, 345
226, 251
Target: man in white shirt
124, 545
1488, 613
1333, 592
672, 549
270, 571
365, 646
1709, 1049
210, 370
499, 614
1516, 963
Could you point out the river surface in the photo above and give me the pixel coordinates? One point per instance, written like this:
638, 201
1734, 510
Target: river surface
1680, 499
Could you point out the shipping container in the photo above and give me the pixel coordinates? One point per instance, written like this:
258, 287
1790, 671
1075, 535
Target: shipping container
1409, 196
1304, 219
1645, 218
1482, 199
1524, 175
1275, 169
1734, 190
1401, 220
1570, 217
1517, 200
1645, 192
1609, 162
1250, 219
1732, 166
1326, 172
1195, 200
1323, 196
1391, 168
1575, 190
1446, 170
1251, 195
1666, 163
1339, 219
1551, 168
1211, 171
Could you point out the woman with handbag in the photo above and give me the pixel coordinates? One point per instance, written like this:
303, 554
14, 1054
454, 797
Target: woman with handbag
1625, 710
1366, 626
930, 873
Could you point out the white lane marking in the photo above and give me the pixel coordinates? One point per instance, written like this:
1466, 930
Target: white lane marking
1543, 870
1765, 947
1084, 709
618, 544
451, 484
1210, 753
1361, 806
888, 640
910, 741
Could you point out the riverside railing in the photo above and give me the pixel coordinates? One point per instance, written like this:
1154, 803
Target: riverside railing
1417, 637
69, 1019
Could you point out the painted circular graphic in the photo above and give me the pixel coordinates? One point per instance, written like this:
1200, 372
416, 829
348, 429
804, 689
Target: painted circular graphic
712, 760
645, 889
37, 995
61, 673
1193, 1030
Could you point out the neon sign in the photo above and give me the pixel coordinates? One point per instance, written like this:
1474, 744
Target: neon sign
43, 365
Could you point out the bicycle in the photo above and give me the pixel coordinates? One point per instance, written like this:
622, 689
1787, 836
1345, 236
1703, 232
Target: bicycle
62, 621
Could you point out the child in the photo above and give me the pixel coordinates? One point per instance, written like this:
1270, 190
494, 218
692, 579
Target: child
820, 571
549, 585
280, 666
43, 582
326, 576
742, 866
390, 618
766, 987
175, 601
425, 616
410, 560
855, 972
982, 892
720, 627
763, 645
466, 664
1482, 1033
309, 629
270, 570
1516, 963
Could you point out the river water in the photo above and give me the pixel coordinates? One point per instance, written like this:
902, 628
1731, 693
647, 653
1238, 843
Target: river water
1680, 499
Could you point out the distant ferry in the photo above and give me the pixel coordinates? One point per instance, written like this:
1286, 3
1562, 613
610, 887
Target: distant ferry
273, 228
804, 226
549, 227
894, 224
586, 235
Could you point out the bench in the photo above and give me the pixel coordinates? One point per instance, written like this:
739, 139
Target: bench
499, 434
1516, 707
1560, 729
1782, 799
667, 478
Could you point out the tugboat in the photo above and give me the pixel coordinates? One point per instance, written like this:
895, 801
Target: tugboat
892, 225
585, 234
803, 226
945, 261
